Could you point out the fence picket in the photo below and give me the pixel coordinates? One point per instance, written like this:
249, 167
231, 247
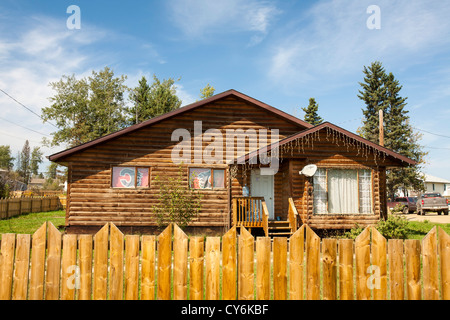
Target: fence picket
379, 265
412, 255
312, 265
69, 267
245, 269
430, 266
180, 259
36, 277
362, 257
229, 265
279, 268
329, 257
396, 284
22, 260
296, 264
164, 263
444, 254
346, 269
263, 268
85, 263
53, 263
101, 263
131, 267
116, 244
38, 263
212, 260
196, 260
148, 279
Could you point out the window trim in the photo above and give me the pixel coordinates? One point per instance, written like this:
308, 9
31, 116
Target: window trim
225, 176
372, 197
136, 187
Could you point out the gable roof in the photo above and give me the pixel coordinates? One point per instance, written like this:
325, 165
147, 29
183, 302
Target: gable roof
230, 93
331, 126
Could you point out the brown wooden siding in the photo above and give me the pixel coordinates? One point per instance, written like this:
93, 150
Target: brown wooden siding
92, 201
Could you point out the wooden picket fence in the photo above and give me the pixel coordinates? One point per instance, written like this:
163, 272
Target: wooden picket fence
11, 207
111, 265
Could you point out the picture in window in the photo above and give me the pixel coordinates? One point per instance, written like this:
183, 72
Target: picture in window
206, 178
130, 177
200, 178
123, 177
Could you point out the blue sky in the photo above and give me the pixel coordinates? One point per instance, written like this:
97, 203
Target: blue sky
279, 52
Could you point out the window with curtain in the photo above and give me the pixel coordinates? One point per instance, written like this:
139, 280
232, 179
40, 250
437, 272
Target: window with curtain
342, 191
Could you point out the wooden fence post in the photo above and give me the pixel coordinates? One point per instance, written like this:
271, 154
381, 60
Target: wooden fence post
180, 260
279, 268
362, 256
116, 246
396, 284
296, 264
131, 267
212, 258
312, 265
379, 265
164, 263
329, 257
263, 268
7, 265
430, 266
53, 263
38, 263
148, 279
444, 254
245, 271
346, 269
196, 269
412, 255
101, 263
229, 265
86, 255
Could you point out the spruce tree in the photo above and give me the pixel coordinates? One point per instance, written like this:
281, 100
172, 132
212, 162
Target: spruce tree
311, 115
373, 94
381, 91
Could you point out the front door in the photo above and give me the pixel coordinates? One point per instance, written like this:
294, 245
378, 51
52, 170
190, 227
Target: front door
262, 186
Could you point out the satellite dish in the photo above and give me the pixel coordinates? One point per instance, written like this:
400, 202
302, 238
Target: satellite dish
309, 170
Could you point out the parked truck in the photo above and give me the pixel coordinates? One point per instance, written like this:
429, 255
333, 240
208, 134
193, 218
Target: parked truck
405, 204
432, 202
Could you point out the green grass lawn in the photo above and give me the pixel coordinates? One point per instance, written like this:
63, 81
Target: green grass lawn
418, 230
29, 223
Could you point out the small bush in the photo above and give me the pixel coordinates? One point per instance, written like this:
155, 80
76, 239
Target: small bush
354, 232
395, 227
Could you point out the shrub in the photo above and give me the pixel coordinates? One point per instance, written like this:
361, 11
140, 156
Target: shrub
395, 227
354, 232
177, 202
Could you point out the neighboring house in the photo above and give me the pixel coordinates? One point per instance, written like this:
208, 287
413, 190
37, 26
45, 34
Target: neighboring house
435, 184
36, 183
111, 179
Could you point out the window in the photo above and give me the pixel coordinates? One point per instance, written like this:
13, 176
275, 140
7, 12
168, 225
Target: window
342, 191
206, 178
130, 177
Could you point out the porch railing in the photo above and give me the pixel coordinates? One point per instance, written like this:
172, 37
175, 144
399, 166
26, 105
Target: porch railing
250, 212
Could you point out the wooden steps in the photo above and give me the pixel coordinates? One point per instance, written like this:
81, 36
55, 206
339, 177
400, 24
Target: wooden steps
279, 229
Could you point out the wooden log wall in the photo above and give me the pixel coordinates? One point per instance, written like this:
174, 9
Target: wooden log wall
91, 200
326, 151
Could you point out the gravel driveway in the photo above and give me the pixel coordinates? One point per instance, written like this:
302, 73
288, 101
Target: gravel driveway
432, 217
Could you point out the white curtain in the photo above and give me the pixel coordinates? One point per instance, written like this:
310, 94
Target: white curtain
342, 191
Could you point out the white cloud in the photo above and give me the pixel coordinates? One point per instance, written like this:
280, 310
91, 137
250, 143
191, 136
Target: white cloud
333, 38
203, 18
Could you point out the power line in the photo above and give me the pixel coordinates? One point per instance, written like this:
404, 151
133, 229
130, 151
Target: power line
435, 134
43, 134
21, 104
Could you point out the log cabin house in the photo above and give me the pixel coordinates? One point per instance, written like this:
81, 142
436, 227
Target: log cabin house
244, 156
